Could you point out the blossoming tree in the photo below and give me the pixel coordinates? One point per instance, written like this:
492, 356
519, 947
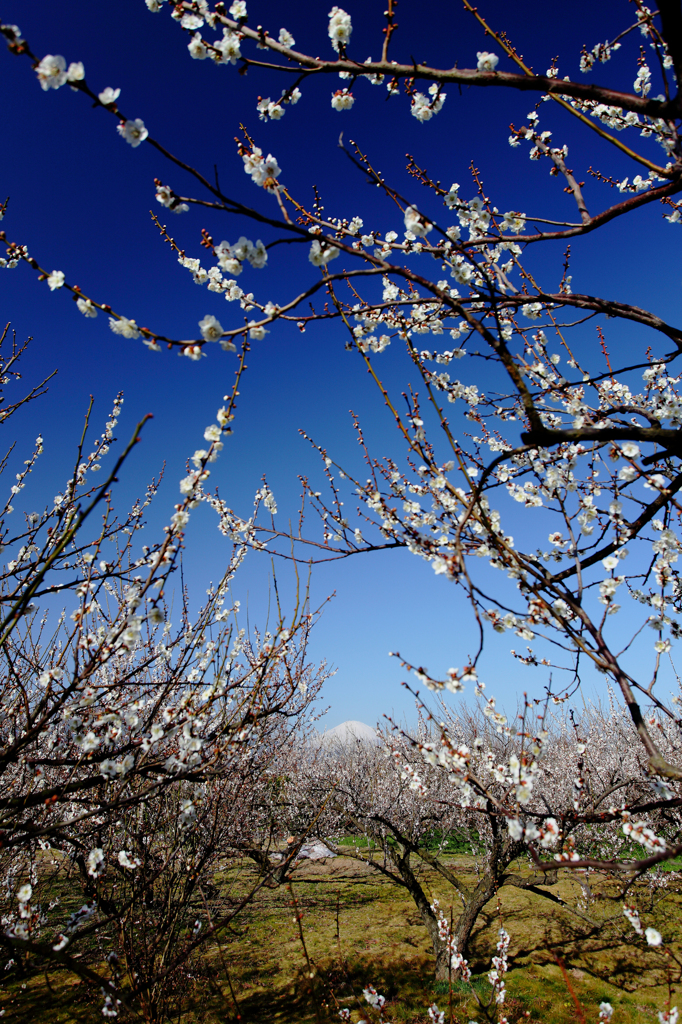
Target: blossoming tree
544, 480
130, 749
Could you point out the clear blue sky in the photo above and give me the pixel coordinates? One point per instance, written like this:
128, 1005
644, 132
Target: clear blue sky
80, 200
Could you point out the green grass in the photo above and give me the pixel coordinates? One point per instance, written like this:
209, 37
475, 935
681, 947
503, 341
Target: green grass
359, 929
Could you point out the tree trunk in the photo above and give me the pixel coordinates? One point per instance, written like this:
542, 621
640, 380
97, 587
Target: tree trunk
484, 891
402, 863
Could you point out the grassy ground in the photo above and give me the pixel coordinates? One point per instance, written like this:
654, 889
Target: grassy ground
359, 929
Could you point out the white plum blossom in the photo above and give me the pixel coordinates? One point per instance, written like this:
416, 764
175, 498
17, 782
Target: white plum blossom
55, 280
258, 255
14, 31
261, 169
642, 82
256, 332
197, 48
320, 253
155, 616
641, 833
514, 222
373, 998
123, 326
515, 829
423, 107
228, 46
134, 132
415, 223
108, 96
549, 832
211, 329
238, 9
269, 109
51, 72
126, 861
166, 197
342, 99
75, 72
187, 812
486, 61
95, 862
286, 39
191, 21
653, 937
24, 893
340, 28
86, 307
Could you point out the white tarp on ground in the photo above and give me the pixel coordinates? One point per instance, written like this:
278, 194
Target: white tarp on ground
314, 851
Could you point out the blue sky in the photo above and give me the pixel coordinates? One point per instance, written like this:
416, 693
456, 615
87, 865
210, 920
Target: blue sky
80, 200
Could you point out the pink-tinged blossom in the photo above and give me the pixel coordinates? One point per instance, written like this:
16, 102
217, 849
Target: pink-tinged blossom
134, 132
108, 96
51, 72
